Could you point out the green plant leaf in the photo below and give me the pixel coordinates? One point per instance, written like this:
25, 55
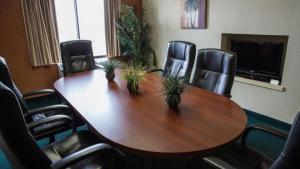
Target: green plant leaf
134, 37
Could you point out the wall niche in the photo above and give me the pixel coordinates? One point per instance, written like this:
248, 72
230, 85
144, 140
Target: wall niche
259, 57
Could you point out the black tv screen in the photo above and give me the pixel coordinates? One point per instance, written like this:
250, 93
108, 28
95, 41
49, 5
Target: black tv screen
259, 58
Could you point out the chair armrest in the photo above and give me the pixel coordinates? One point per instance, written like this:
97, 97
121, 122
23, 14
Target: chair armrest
155, 70
227, 95
81, 155
98, 66
217, 163
48, 120
263, 128
58, 107
39, 92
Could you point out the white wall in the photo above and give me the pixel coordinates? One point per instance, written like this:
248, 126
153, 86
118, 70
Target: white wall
274, 17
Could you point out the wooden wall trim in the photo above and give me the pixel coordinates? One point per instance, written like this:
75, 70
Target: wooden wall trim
13, 48
136, 3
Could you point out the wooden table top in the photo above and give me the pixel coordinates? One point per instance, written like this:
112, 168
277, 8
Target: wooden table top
144, 124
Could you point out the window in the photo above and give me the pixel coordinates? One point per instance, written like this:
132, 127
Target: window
82, 19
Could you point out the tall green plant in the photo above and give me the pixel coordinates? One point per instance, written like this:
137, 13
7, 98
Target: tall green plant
134, 37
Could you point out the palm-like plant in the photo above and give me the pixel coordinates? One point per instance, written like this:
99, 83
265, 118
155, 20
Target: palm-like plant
191, 7
134, 38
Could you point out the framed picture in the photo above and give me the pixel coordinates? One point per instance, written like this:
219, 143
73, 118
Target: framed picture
193, 14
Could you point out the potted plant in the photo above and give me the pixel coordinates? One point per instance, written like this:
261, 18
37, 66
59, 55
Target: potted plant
173, 87
134, 75
134, 36
109, 67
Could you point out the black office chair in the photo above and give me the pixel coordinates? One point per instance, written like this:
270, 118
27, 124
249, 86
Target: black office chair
48, 130
180, 59
240, 156
77, 56
214, 70
81, 150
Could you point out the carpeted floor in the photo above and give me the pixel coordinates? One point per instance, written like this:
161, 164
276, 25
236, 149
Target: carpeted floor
264, 143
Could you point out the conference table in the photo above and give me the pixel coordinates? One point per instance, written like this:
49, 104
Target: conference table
143, 124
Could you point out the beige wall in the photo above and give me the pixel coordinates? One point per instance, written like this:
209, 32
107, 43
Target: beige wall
275, 17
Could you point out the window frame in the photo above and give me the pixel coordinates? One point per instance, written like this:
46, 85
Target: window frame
78, 27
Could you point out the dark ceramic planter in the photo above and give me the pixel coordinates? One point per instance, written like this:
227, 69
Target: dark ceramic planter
173, 101
110, 76
133, 89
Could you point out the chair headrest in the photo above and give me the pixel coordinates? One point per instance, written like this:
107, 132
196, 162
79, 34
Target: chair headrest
5, 77
217, 60
181, 49
76, 47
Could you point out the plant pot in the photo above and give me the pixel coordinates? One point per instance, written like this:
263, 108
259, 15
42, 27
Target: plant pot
133, 88
110, 76
173, 101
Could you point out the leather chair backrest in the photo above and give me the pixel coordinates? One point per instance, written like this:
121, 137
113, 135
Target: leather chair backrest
14, 134
6, 79
290, 155
180, 58
77, 56
214, 70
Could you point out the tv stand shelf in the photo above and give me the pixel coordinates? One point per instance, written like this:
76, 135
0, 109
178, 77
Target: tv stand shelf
259, 83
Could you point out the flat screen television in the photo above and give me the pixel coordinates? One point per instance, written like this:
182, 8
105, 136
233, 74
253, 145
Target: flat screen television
259, 60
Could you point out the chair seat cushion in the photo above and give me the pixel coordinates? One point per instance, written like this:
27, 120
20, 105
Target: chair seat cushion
74, 143
245, 158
